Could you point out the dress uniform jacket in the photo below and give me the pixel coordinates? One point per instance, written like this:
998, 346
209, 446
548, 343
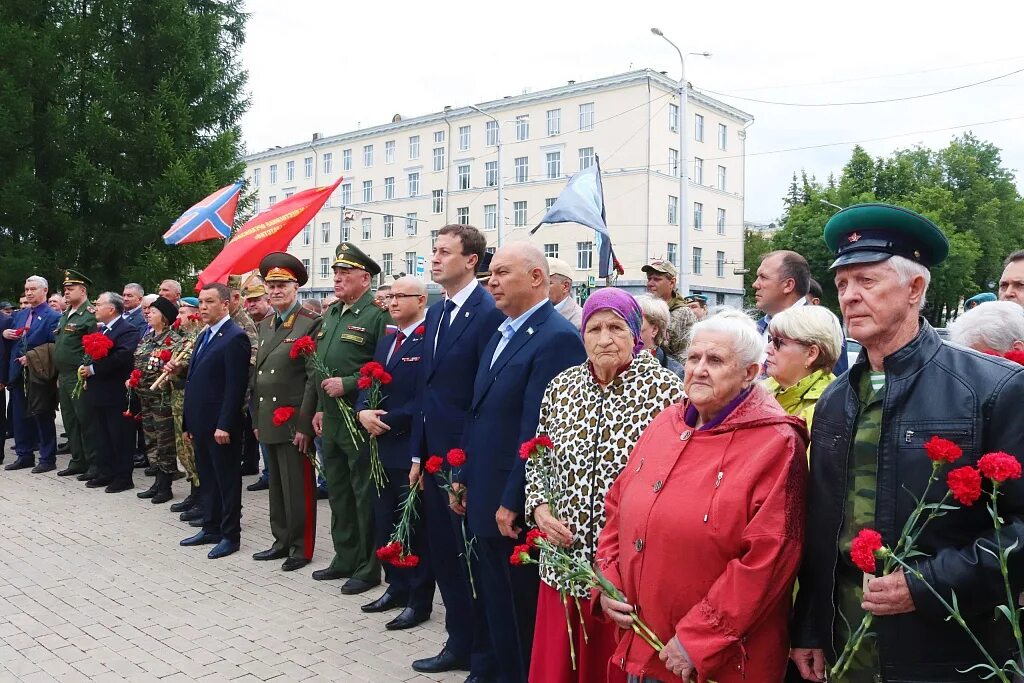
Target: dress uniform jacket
67, 356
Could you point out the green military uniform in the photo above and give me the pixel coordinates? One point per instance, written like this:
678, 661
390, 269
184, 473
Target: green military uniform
282, 381
347, 341
67, 355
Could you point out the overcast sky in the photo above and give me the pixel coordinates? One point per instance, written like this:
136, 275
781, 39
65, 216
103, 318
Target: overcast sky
330, 67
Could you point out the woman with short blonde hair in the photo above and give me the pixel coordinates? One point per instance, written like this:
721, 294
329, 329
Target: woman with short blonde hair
656, 318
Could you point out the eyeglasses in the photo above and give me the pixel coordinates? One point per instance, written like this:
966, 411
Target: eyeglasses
778, 342
389, 297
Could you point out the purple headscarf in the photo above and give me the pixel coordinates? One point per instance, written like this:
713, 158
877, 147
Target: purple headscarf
623, 303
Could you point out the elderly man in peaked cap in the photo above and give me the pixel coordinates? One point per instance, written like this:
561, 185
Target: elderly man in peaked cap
560, 292
868, 463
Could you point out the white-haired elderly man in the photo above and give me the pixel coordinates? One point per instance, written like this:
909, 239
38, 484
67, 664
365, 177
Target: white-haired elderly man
32, 327
132, 295
996, 328
560, 292
868, 462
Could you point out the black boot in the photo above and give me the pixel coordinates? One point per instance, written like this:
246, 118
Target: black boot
151, 491
191, 499
163, 493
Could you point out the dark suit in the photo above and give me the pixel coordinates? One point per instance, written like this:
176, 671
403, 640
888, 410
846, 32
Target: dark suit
5, 323
504, 413
412, 586
135, 318
30, 431
218, 375
445, 390
105, 400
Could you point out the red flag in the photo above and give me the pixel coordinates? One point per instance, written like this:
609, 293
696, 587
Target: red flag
265, 232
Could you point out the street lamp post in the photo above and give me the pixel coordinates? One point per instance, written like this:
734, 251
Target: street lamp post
684, 169
501, 181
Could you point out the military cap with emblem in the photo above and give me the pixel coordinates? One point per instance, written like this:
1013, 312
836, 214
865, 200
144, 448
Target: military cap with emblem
873, 232
253, 288
280, 266
483, 268
72, 277
348, 255
661, 266
696, 299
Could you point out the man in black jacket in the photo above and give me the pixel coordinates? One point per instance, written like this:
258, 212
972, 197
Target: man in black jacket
868, 463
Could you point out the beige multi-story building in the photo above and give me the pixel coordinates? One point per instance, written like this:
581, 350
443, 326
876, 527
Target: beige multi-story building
404, 180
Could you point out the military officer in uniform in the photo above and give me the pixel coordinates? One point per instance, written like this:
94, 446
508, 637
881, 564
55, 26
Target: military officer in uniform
282, 381
77, 321
352, 326
250, 447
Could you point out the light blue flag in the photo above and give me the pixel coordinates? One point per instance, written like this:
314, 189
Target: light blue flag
582, 201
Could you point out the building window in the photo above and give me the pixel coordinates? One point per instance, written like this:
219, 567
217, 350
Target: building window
325, 233
386, 266
723, 136
462, 215
367, 190
491, 173
289, 170
438, 137
433, 238
721, 178
414, 147
288, 194
328, 163
256, 173
554, 164
368, 228
720, 264
491, 131
307, 235
389, 152
551, 250
437, 200
554, 117
672, 254
346, 160
673, 117
673, 210
549, 202
698, 216
346, 231
464, 132
587, 116
698, 256
389, 227
414, 184
271, 200
367, 156
305, 264
586, 157
307, 167
698, 170
439, 158
389, 188
255, 205
721, 221
698, 127
584, 255
410, 263
522, 165
346, 194
410, 223
522, 127
490, 216
273, 174
464, 177
328, 202
325, 267
519, 212
673, 162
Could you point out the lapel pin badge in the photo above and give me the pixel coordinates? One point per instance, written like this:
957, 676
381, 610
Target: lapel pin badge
529, 330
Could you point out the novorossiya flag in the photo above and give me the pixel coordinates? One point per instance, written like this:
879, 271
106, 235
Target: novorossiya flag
210, 219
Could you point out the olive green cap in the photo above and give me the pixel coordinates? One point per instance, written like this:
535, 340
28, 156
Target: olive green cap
348, 255
73, 277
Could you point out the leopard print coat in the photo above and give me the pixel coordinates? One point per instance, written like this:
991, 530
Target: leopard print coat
594, 431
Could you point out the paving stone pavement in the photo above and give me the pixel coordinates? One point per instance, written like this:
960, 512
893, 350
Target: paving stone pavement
94, 587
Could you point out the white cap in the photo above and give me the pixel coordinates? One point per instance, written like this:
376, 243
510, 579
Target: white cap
557, 266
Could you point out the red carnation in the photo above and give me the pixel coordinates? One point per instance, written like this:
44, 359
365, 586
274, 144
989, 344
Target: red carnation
138, 418
863, 549
456, 457
520, 555
1015, 356
385, 378
128, 414
364, 382
389, 552
965, 485
167, 341
434, 464
97, 345
282, 415
421, 330
371, 369
526, 449
406, 560
176, 324
544, 441
193, 317
533, 535
999, 466
135, 378
942, 450
302, 346
165, 355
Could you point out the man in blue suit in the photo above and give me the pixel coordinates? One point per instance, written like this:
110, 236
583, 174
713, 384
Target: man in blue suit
218, 375
105, 400
531, 346
31, 327
6, 321
132, 315
410, 589
458, 329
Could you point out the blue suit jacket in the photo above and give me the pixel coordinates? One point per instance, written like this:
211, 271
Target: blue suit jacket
6, 322
136, 320
106, 387
216, 383
399, 397
46, 321
445, 387
505, 410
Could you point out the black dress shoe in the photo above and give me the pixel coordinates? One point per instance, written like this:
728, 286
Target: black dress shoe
407, 619
356, 586
20, 464
194, 512
40, 468
223, 549
260, 484
64, 448
187, 504
202, 538
69, 472
99, 482
118, 486
197, 523
383, 604
444, 661
328, 574
86, 476
472, 678
271, 554
293, 563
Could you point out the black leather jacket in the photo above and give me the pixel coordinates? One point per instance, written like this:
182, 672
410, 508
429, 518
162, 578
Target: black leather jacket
933, 388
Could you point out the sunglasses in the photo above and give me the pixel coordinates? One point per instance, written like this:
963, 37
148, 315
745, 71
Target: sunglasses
389, 297
778, 342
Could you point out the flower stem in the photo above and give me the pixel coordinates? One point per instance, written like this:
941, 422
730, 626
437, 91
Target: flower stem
1011, 604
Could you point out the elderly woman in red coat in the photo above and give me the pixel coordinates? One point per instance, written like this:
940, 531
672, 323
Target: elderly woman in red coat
706, 522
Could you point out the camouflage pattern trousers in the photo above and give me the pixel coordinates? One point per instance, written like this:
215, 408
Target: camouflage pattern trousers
158, 427
186, 456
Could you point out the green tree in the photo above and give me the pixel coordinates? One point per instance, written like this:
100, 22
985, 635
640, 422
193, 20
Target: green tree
755, 246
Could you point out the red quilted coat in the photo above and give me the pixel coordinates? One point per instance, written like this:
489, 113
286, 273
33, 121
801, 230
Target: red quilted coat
704, 534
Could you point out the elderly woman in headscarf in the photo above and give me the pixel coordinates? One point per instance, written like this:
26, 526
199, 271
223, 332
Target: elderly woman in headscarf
593, 413
705, 524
